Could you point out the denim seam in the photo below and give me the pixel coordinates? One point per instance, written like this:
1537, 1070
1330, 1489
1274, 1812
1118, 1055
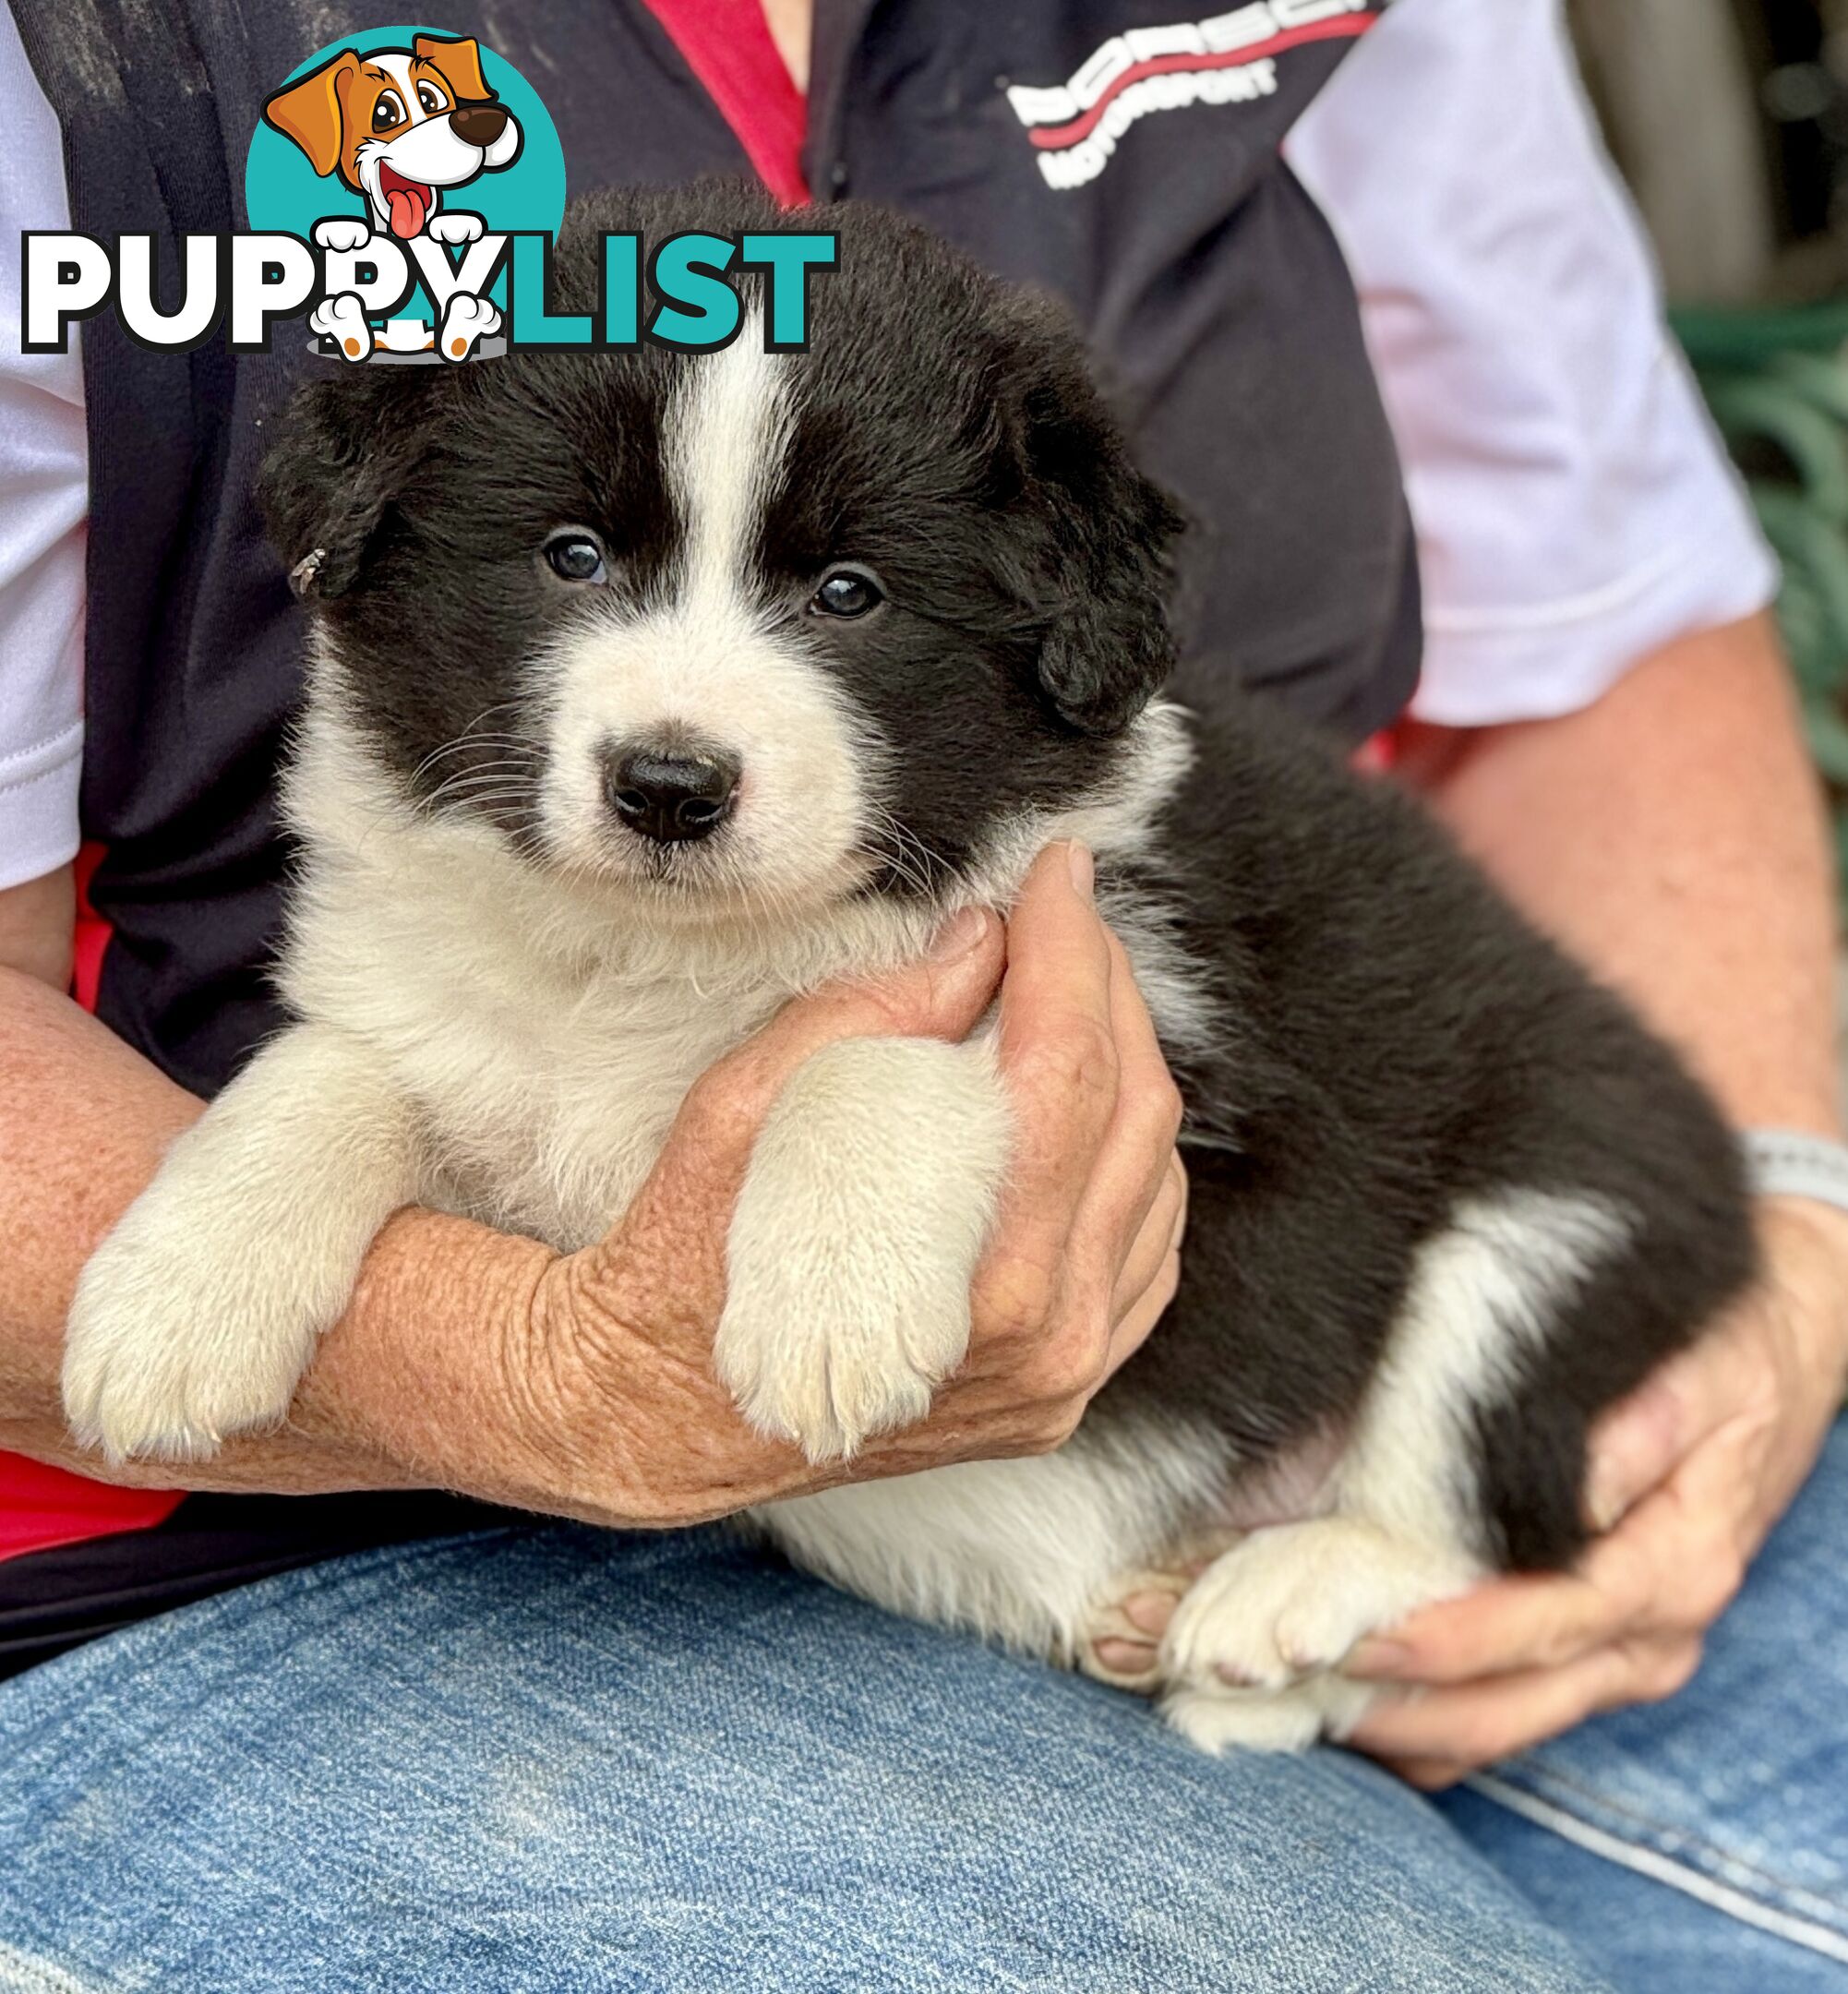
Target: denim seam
1727, 1898
1672, 1840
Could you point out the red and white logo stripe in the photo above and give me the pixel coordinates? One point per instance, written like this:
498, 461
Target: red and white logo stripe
1230, 58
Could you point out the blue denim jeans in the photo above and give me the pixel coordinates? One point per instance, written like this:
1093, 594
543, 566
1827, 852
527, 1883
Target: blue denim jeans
548, 1762
1702, 1844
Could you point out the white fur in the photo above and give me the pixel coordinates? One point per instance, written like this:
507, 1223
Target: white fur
196, 1315
513, 1040
1253, 1653
871, 1190
342, 232
727, 434
1013, 1550
455, 228
700, 666
539, 1035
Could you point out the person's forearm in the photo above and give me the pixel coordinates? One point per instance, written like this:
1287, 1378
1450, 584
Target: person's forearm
36, 920
1672, 837
401, 1389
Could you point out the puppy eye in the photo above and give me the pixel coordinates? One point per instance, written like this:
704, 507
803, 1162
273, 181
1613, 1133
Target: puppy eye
576, 557
431, 99
388, 110
846, 592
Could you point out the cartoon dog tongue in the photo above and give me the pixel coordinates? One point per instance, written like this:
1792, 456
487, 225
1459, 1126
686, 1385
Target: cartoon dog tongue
407, 202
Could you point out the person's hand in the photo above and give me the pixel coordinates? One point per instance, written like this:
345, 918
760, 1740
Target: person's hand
611, 1365
1687, 1479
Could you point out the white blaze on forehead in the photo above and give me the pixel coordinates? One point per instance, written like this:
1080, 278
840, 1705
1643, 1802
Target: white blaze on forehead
706, 660
727, 434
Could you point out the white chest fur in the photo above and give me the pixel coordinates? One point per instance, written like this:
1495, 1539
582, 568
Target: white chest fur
543, 1064
545, 1033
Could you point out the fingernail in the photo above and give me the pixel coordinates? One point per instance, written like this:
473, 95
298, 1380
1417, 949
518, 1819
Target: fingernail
1375, 1657
959, 934
1604, 1503
1084, 867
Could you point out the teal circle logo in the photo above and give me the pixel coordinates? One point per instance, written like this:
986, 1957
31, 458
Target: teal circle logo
389, 148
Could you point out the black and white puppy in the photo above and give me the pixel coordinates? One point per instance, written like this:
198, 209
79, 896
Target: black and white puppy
649, 690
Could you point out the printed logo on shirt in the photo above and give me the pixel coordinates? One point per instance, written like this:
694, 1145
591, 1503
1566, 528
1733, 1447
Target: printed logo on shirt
1228, 59
404, 189
407, 158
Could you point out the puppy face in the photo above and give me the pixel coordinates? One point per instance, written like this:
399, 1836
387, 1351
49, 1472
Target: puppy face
398, 126
743, 631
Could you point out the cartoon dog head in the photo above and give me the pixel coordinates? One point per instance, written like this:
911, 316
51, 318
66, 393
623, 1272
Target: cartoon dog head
398, 126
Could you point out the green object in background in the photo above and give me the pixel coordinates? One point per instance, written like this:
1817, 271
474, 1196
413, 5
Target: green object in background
1777, 382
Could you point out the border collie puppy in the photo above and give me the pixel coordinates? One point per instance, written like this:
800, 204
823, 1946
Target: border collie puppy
650, 690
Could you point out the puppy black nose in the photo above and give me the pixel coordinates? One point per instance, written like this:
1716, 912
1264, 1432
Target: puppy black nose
670, 797
479, 124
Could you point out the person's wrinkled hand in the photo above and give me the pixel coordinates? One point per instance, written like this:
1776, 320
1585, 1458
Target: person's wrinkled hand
1687, 1478
610, 1366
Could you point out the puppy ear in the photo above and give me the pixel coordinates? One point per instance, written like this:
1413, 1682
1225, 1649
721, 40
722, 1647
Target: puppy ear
310, 111
1104, 531
457, 62
344, 449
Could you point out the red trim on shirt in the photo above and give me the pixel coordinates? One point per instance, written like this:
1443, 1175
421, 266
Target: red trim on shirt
1081, 127
728, 48
42, 1507
90, 937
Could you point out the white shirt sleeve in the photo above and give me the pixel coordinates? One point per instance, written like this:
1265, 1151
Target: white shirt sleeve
44, 498
1574, 507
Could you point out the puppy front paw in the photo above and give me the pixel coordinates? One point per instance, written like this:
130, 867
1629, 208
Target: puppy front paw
828, 1349
170, 1350
195, 1318
868, 1201
197, 1314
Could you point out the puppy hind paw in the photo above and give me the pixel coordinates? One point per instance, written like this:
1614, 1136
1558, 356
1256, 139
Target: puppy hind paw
1291, 1601
1221, 1720
1119, 1643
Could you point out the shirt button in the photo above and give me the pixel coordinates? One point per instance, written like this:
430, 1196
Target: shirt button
837, 177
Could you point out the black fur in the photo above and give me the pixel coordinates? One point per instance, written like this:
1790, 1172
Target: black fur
1402, 1040
984, 482
1396, 1040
